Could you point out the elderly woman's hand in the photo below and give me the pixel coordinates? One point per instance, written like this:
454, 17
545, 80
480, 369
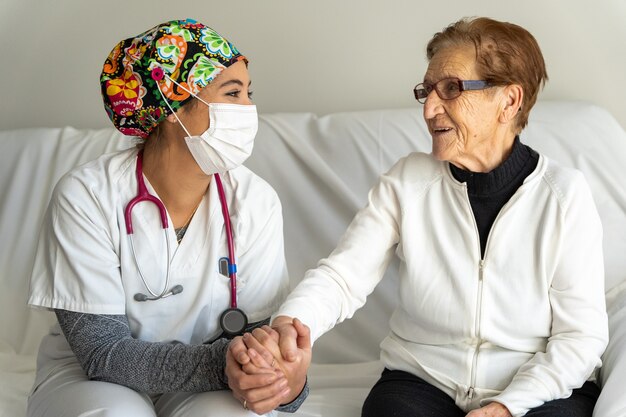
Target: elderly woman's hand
493, 409
288, 335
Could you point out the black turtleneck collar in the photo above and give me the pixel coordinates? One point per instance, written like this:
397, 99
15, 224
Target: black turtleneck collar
489, 192
521, 160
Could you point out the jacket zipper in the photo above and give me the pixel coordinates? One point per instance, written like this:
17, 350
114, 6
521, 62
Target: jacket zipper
481, 265
479, 301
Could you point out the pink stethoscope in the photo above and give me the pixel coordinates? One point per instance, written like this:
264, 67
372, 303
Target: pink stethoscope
233, 320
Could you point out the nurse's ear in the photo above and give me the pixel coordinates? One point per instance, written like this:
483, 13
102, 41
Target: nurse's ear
183, 112
171, 118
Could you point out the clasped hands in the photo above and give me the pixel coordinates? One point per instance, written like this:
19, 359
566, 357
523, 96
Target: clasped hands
267, 367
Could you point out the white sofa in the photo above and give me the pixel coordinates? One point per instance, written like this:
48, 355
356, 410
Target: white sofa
322, 168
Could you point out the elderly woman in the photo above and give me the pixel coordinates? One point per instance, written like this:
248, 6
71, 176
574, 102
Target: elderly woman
501, 309
136, 253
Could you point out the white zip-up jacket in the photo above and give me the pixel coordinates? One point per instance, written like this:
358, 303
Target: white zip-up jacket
523, 325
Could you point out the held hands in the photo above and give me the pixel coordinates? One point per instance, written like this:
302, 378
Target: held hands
268, 367
259, 392
493, 409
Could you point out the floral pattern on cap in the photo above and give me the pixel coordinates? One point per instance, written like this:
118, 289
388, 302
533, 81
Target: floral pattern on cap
167, 62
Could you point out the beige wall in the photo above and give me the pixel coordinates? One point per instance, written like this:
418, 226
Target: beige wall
319, 55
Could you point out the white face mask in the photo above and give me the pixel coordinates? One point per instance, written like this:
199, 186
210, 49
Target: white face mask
228, 141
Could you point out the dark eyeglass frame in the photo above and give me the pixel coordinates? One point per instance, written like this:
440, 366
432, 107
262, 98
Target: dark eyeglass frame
423, 90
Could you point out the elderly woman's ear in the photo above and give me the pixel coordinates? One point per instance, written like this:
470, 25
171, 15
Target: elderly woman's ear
512, 99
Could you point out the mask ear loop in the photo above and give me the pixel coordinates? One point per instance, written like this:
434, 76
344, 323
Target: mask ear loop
157, 75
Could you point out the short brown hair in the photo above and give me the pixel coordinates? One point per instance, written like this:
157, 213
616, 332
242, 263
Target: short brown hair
505, 54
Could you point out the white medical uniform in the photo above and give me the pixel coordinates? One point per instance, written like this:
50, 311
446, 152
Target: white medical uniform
84, 261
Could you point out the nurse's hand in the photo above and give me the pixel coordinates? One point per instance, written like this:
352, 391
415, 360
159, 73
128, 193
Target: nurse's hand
261, 391
493, 409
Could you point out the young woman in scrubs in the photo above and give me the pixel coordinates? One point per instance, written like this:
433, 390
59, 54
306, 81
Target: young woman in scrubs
138, 311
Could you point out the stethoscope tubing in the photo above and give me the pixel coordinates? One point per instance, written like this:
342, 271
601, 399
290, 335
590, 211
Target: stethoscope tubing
232, 266
144, 195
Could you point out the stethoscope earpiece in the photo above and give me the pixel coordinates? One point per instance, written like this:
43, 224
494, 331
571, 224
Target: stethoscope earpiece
140, 297
176, 289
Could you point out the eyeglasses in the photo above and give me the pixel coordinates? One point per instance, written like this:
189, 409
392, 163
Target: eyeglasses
448, 88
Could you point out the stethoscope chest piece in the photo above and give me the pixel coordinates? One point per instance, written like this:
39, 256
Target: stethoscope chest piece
233, 321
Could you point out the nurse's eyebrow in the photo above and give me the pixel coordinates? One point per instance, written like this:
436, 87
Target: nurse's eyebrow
230, 82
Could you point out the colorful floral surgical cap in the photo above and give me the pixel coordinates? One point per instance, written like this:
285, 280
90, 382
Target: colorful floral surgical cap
177, 57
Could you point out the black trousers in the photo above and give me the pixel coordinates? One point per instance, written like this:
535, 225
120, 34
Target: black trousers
399, 393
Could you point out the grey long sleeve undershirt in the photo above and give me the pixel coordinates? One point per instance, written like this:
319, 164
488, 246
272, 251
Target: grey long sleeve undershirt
107, 352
